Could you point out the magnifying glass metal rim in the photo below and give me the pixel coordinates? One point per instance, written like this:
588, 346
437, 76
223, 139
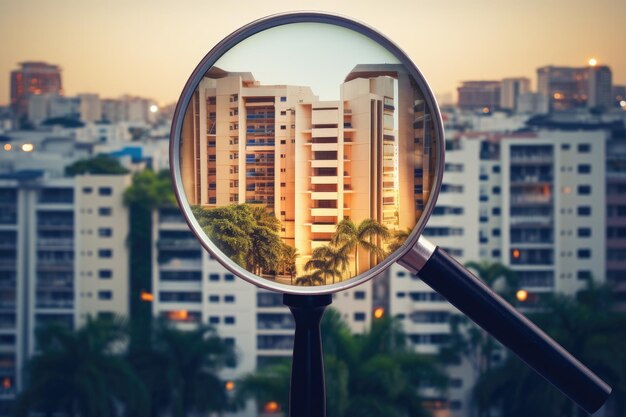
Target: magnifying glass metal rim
213, 56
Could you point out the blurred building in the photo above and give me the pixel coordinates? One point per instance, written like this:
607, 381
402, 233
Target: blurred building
569, 88
534, 202
63, 258
480, 95
619, 95
33, 79
511, 90
190, 288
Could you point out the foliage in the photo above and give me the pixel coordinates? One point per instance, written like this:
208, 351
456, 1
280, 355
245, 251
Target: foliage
467, 340
330, 261
82, 373
247, 234
365, 235
372, 374
181, 369
590, 329
99, 165
148, 191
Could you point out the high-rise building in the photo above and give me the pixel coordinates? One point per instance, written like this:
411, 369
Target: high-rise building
600, 87
313, 163
511, 90
570, 88
33, 78
479, 95
63, 257
534, 202
90, 108
190, 288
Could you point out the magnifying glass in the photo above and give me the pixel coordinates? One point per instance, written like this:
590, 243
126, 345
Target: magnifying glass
307, 155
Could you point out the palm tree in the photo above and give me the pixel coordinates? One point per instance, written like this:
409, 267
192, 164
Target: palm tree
268, 384
287, 262
181, 370
329, 260
374, 374
588, 327
354, 237
82, 373
397, 239
314, 278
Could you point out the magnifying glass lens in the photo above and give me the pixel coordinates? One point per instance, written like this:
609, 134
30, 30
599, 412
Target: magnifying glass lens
307, 154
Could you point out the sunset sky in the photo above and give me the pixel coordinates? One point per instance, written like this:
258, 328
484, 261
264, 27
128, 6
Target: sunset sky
149, 48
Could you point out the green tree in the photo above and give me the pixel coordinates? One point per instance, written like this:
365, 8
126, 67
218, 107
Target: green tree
288, 257
366, 235
247, 234
468, 341
331, 261
373, 374
397, 239
148, 191
181, 370
82, 373
98, 165
586, 325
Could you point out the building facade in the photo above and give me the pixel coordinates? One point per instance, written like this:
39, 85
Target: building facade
63, 259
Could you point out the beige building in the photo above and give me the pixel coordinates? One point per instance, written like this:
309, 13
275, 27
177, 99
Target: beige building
313, 162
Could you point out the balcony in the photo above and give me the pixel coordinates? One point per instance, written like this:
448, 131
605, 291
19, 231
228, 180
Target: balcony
177, 244
531, 199
60, 243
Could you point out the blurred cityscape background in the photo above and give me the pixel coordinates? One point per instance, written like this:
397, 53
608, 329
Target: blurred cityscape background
109, 306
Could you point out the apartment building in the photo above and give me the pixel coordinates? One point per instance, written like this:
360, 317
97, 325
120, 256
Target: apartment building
191, 288
534, 202
315, 163
58, 239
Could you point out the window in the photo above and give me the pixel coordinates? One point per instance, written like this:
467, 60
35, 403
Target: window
87, 190
229, 320
105, 232
214, 277
401, 274
214, 320
495, 253
283, 99
584, 211
584, 148
583, 275
105, 274
359, 316
584, 189
283, 113
495, 190
105, 191
495, 232
283, 127
584, 253
495, 169
401, 294
565, 146
229, 277
229, 298
584, 169
359, 295
495, 211
105, 253
105, 211
105, 295
214, 298
584, 232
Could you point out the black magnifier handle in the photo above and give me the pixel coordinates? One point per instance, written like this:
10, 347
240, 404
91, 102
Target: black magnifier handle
487, 309
307, 393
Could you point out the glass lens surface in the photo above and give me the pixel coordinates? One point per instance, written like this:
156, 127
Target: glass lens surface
307, 154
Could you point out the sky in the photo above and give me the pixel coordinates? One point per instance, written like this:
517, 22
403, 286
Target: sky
315, 55
149, 48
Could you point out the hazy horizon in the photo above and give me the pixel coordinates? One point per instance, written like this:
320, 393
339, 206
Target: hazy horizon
150, 49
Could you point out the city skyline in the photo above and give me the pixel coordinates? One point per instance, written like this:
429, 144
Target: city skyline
468, 53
